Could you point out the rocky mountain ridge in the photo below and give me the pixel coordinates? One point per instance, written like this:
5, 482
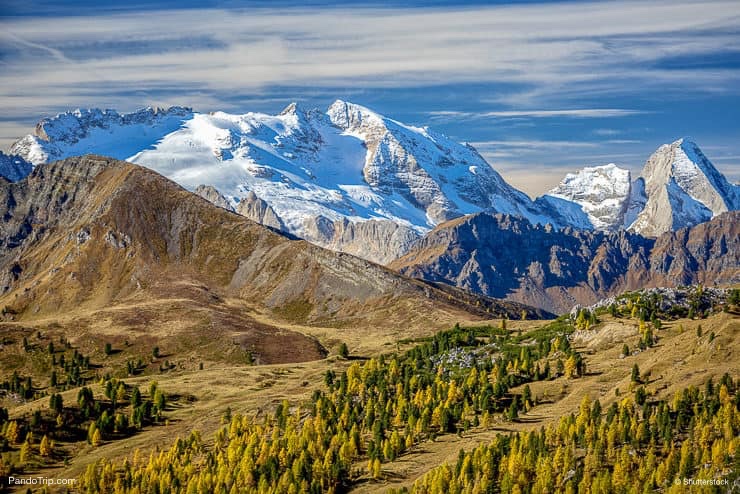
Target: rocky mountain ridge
508, 257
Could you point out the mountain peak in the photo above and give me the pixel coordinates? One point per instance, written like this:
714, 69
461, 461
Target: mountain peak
594, 197
682, 188
292, 109
685, 141
349, 116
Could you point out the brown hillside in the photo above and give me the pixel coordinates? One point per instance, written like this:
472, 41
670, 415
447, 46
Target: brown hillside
88, 240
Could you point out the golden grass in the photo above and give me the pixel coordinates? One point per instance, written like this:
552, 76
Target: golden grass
679, 359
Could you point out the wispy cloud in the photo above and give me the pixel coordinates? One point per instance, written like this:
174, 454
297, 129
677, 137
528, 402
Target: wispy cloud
606, 132
551, 47
537, 65
570, 113
531, 144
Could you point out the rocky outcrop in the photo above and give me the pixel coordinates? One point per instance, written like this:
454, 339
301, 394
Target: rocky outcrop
507, 257
210, 194
258, 210
670, 301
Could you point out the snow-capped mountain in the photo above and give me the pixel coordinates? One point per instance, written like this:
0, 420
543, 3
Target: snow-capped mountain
593, 198
436, 174
318, 175
680, 187
104, 132
353, 180
13, 167
677, 188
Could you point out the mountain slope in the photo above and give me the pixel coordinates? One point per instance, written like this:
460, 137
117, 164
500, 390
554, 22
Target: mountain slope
103, 132
93, 233
502, 256
320, 174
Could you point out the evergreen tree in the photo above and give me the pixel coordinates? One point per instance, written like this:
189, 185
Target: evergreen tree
45, 447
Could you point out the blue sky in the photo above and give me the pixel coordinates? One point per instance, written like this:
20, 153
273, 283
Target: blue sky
540, 88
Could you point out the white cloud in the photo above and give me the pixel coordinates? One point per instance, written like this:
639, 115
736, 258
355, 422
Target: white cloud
201, 57
532, 144
606, 132
574, 113
540, 44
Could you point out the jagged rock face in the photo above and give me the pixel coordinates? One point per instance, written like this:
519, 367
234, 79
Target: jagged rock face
555, 269
13, 167
210, 194
300, 170
599, 195
708, 253
258, 210
682, 188
379, 240
438, 175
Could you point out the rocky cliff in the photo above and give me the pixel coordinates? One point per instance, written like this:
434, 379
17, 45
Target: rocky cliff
503, 256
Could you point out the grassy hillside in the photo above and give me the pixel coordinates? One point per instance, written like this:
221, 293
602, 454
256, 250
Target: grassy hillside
400, 405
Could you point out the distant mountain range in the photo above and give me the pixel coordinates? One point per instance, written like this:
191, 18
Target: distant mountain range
508, 257
355, 181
